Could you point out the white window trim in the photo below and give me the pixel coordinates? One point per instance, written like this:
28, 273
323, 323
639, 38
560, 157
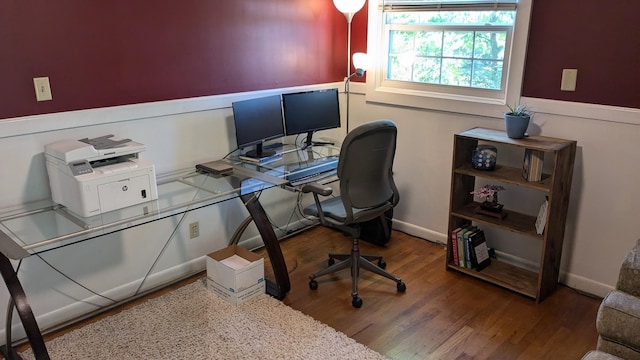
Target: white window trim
376, 92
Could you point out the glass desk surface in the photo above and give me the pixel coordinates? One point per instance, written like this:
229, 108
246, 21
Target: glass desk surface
293, 160
43, 225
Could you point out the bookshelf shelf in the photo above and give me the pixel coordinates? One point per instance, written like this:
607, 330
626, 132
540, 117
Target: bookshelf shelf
506, 174
556, 185
511, 277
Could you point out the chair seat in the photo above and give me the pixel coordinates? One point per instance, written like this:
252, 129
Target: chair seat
334, 208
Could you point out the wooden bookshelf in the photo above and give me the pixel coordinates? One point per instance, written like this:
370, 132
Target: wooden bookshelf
556, 185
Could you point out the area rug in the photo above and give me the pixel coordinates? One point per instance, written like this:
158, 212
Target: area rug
194, 323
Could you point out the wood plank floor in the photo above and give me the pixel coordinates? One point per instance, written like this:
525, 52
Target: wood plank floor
442, 315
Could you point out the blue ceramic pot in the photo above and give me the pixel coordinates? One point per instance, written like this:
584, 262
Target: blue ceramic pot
516, 126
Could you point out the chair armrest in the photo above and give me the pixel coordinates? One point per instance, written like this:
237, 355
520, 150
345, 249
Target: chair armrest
317, 189
629, 277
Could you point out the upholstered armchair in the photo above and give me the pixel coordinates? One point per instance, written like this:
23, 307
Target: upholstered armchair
618, 320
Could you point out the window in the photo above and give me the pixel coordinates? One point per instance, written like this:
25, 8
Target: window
448, 54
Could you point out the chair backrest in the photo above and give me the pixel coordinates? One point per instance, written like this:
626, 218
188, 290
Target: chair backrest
365, 168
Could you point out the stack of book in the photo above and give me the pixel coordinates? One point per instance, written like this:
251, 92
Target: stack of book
470, 248
532, 165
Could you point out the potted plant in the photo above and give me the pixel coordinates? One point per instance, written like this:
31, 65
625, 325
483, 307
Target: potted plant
516, 121
490, 195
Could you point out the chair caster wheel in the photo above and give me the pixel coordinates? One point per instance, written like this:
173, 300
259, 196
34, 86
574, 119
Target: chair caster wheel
382, 264
356, 302
331, 261
401, 286
313, 285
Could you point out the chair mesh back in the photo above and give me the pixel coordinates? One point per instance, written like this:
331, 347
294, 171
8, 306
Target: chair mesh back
365, 165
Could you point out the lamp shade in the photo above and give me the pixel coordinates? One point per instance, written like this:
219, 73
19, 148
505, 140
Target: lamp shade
360, 61
348, 6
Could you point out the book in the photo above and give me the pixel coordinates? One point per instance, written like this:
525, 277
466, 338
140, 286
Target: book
454, 245
215, 167
479, 251
532, 165
461, 253
467, 246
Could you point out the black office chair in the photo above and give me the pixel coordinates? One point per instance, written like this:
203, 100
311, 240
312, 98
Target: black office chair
367, 191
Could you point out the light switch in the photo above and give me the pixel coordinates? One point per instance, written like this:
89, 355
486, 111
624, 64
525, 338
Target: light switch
569, 78
43, 89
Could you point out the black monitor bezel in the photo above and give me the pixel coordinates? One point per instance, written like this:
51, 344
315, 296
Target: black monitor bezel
313, 126
259, 109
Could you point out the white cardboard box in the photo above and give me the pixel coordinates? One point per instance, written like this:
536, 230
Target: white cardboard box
235, 274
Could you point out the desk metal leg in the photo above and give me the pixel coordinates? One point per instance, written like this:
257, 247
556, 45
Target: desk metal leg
24, 311
281, 287
235, 239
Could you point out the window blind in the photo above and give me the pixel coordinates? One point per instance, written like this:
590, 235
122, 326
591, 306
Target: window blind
438, 5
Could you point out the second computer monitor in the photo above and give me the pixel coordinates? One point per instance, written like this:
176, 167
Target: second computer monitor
309, 111
258, 120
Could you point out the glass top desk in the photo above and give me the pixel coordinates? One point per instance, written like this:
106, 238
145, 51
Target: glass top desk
42, 226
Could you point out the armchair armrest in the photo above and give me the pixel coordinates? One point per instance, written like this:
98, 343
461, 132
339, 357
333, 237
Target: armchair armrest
317, 189
618, 324
629, 278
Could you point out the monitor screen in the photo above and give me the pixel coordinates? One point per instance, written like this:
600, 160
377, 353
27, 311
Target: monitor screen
309, 111
258, 120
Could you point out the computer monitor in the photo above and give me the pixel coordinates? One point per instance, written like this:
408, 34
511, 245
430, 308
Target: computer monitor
258, 120
310, 111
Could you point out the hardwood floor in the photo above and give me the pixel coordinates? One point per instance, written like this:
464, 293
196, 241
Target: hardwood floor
442, 315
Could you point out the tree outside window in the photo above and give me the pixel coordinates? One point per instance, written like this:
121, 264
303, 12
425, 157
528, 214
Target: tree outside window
452, 48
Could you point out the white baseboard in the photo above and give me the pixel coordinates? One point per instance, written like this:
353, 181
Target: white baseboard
585, 285
573, 281
420, 232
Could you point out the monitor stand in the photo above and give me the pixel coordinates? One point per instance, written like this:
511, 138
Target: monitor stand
258, 152
309, 142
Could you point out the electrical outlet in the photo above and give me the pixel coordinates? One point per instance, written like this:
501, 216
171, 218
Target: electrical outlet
194, 230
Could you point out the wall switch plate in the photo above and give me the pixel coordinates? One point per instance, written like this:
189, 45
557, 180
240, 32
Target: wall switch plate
43, 89
569, 78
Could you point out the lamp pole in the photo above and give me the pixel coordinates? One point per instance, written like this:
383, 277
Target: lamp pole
360, 61
349, 8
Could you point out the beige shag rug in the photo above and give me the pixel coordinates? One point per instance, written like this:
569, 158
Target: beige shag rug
193, 323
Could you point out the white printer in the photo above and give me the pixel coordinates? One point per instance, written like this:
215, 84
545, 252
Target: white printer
93, 176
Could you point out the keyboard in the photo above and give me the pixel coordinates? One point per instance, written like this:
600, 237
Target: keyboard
310, 172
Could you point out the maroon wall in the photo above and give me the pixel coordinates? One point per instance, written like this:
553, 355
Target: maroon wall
600, 39
99, 54
105, 53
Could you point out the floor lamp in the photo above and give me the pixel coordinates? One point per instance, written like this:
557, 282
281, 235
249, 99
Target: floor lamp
349, 8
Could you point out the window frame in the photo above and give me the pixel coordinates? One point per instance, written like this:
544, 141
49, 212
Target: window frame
439, 97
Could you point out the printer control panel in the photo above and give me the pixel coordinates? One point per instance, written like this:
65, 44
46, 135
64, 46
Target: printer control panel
80, 168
